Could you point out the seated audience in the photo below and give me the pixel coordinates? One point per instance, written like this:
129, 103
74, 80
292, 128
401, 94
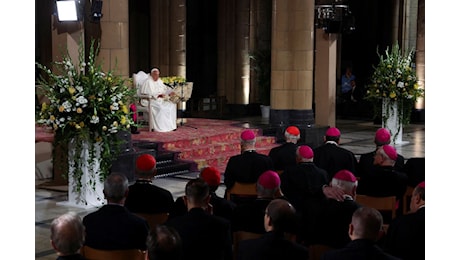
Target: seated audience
384, 180
366, 161
198, 227
304, 181
220, 206
279, 221
333, 158
415, 170
406, 235
305, 185
67, 236
285, 154
113, 227
249, 216
164, 243
330, 226
144, 196
247, 166
364, 230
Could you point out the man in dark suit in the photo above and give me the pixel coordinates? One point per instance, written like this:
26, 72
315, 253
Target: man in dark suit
113, 227
406, 235
303, 181
331, 219
306, 186
364, 230
249, 216
366, 161
285, 154
203, 235
220, 206
333, 158
279, 219
143, 196
384, 180
247, 166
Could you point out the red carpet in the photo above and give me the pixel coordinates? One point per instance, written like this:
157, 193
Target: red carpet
212, 143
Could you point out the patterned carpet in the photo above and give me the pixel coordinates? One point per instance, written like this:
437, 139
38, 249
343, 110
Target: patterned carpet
208, 142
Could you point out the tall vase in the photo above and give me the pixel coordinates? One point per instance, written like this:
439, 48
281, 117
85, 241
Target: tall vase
392, 121
90, 193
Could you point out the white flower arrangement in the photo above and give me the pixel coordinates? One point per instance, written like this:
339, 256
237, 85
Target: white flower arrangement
86, 105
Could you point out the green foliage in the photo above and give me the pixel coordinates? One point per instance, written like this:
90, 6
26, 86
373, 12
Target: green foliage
86, 105
395, 80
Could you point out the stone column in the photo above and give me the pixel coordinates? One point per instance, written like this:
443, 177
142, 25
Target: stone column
420, 51
226, 50
177, 23
325, 78
114, 52
242, 29
292, 63
66, 36
159, 35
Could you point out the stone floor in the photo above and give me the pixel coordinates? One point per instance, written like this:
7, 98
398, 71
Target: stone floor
357, 136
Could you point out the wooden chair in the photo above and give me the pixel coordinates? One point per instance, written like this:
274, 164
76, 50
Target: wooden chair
154, 219
317, 250
382, 204
242, 190
239, 236
98, 254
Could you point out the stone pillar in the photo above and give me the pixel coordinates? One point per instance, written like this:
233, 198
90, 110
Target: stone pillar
159, 35
66, 36
292, 63
242, 24
177, 22
420, 51
226, 50
325, 79
114, 51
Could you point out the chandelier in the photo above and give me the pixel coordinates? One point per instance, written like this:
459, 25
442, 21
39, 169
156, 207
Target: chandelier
334, 16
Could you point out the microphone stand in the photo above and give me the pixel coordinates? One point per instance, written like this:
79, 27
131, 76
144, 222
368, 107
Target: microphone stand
182, 110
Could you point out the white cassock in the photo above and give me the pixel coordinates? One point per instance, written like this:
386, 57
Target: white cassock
163, 112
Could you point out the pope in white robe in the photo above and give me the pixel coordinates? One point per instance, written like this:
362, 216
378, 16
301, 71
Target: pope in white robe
163, 112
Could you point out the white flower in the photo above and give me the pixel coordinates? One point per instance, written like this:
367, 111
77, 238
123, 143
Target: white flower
82, 100
94, 119
79, 88
400, 84
67, 106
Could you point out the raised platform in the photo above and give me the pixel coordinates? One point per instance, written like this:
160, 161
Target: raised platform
201, 142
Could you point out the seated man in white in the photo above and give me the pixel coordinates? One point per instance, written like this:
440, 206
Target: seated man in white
163, 112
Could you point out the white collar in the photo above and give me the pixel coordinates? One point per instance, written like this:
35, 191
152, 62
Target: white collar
331, 142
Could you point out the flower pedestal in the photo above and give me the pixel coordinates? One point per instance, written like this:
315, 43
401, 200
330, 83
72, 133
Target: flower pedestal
88, 193
392, 121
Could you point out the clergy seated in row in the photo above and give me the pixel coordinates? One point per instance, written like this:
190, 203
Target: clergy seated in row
220, 206
144, 196
163, 112
247, 166
249, 216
